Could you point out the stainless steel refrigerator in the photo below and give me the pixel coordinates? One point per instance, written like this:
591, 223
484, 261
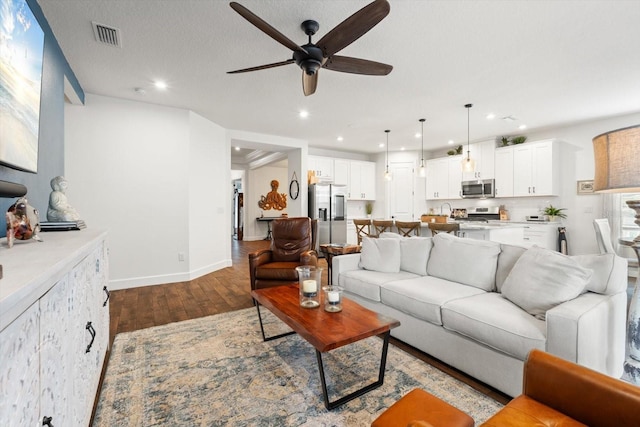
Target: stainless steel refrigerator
328, 204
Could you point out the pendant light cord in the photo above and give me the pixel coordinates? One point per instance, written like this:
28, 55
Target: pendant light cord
468, 107
422, 143
387, 160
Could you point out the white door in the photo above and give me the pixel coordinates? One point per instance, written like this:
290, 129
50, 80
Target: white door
401, 191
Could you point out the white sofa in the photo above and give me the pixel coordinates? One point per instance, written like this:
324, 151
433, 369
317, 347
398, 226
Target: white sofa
481, 306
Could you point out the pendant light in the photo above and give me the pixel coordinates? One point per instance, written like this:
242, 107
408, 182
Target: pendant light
468, 164
387, 174
422, 171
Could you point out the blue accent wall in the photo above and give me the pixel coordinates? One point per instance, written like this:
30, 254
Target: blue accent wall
51, 139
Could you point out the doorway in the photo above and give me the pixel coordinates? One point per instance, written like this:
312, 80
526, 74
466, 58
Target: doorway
401, 191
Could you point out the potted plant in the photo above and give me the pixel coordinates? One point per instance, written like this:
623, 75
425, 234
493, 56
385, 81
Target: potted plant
518, 139
451, 152
459, 149
553, 212
505, 141
368, 208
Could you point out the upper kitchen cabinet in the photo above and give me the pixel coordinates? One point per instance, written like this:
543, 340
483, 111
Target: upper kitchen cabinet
536, 168
341, 170
483, 154
444, 176
504, 171
362, 180
321, 166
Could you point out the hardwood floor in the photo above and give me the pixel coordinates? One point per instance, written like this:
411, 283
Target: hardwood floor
222, 291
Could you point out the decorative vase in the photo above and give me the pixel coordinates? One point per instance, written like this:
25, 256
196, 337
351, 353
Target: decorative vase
309, 283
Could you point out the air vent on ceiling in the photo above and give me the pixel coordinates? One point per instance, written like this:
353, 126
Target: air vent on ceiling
107, 35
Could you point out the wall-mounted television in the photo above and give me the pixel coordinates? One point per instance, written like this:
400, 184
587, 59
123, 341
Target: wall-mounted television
21, 56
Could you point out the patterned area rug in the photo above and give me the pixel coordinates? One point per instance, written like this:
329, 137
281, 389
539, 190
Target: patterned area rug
217, 371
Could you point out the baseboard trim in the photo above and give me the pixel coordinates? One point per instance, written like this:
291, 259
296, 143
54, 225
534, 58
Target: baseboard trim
138, 282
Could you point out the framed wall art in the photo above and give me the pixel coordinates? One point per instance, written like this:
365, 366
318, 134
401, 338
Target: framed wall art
585, 187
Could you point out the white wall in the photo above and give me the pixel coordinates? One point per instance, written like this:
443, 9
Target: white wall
151, 176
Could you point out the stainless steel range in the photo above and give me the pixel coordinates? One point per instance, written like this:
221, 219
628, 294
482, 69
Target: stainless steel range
483, 214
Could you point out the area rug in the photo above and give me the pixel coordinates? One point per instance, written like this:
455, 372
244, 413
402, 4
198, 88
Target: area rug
217, 371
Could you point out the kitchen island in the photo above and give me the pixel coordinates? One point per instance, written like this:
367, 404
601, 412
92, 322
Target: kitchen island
520, 233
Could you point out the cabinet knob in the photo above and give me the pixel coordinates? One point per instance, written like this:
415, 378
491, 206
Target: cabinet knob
46, 421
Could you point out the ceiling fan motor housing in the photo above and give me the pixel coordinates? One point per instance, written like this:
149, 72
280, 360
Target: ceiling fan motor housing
311, 62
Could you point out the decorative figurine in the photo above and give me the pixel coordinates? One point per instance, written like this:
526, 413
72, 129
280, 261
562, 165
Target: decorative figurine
22, 222
59, 207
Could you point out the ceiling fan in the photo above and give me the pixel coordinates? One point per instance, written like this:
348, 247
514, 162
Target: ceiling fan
311, 57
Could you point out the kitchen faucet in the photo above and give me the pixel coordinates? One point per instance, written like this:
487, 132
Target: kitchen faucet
450, 208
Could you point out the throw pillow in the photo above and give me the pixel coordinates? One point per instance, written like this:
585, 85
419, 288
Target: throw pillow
414, 253
381, 255
542, 279
468, 261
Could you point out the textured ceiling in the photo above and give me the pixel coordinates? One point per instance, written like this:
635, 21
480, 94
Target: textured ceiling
546, 63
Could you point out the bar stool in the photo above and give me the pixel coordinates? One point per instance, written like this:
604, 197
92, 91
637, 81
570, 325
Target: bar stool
360, 228
382, 225
405, 228
443, 228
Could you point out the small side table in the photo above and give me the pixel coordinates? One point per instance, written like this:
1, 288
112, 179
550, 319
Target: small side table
632, 363
268, 221
334, 249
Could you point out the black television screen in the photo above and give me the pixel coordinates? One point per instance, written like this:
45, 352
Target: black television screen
21, 56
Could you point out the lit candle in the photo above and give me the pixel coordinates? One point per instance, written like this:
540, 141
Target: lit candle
309, 286
333, 296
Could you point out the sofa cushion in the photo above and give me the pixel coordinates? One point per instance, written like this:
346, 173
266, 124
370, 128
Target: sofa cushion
423, 296
414, 253
509, 254
542, 279
367, 283
381, 255
496, 322
468, 261
608, 277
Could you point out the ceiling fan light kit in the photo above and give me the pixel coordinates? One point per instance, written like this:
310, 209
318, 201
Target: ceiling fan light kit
312, 57
468, 164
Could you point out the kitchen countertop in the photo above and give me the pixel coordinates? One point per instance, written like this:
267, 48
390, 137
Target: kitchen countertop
493, 224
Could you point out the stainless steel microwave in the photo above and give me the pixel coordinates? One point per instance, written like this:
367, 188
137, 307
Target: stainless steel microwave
479, 189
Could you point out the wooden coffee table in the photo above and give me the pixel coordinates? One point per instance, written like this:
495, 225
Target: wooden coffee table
327, 331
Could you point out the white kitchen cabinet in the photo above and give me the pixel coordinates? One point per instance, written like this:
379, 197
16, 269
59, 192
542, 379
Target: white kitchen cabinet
536, 169
362, 180
483, 153
321, 166
341, 171
51, 362
543, 235
504, 171
444, 176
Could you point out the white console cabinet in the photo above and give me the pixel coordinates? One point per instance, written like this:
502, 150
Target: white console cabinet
54, 328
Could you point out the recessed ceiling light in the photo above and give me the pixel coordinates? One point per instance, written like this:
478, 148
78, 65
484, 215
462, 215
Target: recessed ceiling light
237, 148
340, 139
418, 134
401, 148
159, 84
521, 127
491, 116
304, 114
451, 142
381, 145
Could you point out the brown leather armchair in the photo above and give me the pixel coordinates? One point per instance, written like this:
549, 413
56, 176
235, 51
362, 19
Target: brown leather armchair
557, 392
293, 244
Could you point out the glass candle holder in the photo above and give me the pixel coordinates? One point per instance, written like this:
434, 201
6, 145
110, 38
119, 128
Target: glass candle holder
309, 282
332, 298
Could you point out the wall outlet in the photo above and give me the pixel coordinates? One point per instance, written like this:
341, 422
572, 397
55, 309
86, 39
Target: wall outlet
180, 256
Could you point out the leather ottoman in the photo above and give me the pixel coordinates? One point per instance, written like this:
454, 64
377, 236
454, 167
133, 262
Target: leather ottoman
420, 408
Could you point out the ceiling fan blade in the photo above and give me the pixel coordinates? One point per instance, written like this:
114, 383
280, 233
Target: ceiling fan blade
353, 27
346, 64
309, 83
263, 67
265, 27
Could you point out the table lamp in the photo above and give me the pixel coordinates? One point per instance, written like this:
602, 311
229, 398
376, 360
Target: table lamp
617, 170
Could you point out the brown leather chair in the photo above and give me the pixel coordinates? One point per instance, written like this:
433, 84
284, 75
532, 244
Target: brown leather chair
293, 244
405, 228
556, 392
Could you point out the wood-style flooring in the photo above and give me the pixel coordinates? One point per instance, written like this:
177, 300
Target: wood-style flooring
222, 291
